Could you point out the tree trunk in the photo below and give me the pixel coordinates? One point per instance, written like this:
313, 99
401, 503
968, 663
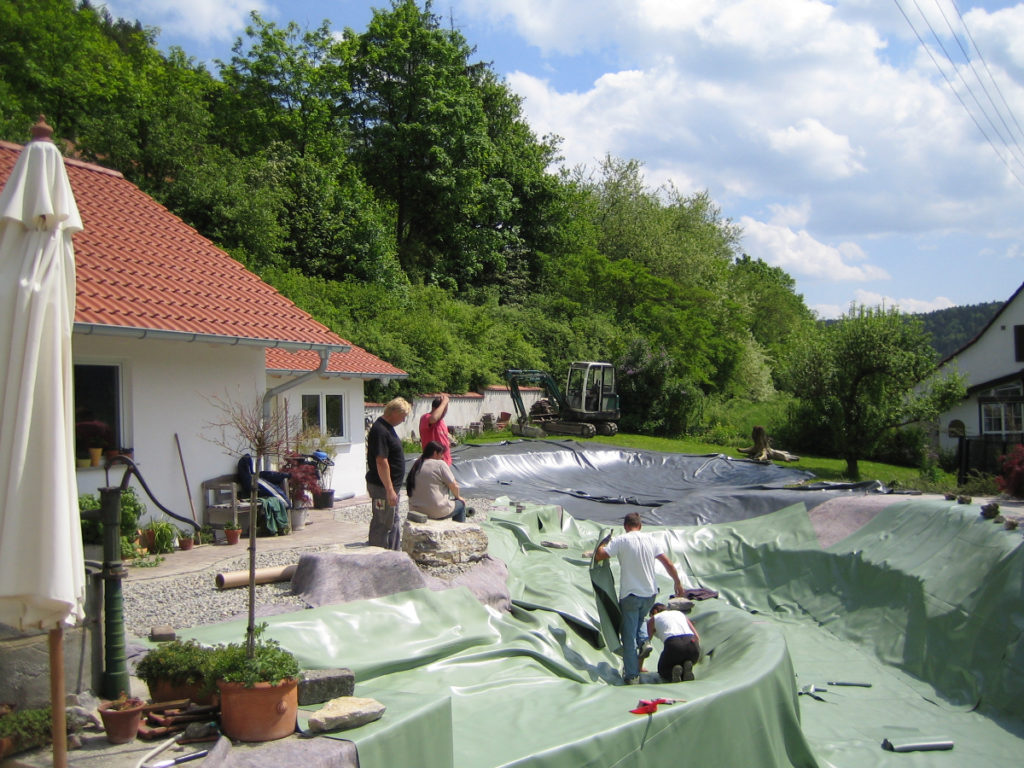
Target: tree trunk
852, 468
762, 449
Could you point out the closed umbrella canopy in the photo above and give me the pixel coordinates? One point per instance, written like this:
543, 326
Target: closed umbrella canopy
42, 579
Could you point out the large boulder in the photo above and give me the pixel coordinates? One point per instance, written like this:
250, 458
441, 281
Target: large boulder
326, 578
443, 542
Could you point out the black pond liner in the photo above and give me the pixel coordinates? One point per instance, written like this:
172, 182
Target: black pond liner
604, 483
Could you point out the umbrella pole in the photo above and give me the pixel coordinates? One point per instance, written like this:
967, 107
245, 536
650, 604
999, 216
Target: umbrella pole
59, 728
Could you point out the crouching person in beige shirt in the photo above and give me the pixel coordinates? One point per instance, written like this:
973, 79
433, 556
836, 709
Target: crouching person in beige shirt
428, 485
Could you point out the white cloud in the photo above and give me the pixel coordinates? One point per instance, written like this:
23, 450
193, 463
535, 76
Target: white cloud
1000, 36
800, 254
792, 216
200, 20
824, 151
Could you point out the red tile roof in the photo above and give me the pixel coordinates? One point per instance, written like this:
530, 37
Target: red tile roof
143, 271
357, 362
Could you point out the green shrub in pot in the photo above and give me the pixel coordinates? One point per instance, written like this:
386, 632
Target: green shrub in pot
268, 663
180, 663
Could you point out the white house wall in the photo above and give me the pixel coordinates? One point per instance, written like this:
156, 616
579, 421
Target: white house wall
463, 410
992, 356
348, 451
988, 358
165, 387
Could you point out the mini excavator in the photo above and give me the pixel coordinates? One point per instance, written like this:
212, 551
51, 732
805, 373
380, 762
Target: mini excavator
588, 406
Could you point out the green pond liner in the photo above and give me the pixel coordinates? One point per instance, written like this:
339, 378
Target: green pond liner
923, 605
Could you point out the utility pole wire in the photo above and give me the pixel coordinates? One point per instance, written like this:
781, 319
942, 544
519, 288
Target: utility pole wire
984, 87
995, 83
959, 98
959, 74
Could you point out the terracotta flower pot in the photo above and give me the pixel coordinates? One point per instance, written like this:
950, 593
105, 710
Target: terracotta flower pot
165, 690
185, 543
232, 535
264, 712
121, 725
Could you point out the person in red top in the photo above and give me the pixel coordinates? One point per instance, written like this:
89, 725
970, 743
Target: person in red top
432, 427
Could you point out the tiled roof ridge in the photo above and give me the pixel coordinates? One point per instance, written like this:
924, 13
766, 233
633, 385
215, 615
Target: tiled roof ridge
69, 160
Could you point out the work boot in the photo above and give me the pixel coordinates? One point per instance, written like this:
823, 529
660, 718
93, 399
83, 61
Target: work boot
677, 673
687, 671
635, 680
645, 651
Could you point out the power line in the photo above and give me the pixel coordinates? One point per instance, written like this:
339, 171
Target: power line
970, 63
952, 87
989, 71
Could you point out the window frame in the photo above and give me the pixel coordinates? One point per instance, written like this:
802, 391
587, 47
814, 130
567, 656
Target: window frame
333, 438
124, 433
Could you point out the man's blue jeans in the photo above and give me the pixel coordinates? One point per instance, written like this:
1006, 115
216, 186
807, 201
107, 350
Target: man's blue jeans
633, 631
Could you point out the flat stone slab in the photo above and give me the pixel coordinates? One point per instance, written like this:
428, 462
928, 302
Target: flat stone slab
345, 712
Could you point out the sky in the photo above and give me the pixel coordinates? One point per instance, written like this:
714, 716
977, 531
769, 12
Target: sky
872, 168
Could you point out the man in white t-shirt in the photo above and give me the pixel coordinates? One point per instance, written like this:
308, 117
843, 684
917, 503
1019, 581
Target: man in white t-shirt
681, 643
637, 553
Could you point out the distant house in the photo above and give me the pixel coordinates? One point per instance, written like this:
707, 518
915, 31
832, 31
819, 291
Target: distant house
165, 321
991, 419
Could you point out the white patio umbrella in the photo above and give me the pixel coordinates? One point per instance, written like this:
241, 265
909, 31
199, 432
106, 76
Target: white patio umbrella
42, 570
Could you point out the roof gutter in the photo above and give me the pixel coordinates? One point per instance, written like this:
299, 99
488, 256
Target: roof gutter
95, 329
383, 378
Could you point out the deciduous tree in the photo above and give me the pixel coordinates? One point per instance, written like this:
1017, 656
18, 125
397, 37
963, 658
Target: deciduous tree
870, 372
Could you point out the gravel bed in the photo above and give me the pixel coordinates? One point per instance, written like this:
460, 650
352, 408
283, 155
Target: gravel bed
193, 599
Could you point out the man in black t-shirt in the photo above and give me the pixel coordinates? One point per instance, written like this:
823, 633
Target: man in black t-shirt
385, 468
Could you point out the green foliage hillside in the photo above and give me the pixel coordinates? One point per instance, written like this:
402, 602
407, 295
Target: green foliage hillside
950, 329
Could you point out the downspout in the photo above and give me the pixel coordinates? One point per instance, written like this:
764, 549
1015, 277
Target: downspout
270, 394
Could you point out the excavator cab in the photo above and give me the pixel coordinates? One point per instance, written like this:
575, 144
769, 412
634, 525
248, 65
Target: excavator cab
590, 388
589, 405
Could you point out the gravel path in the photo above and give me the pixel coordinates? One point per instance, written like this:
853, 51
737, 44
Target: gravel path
192, 600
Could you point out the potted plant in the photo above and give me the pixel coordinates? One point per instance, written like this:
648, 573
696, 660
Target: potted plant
159, 537
260, 669
121, 718
258, 689
205, 535
315, 447
303, 481
23, 729
232, 532
261, 432
95, 452
179, 669
185, 540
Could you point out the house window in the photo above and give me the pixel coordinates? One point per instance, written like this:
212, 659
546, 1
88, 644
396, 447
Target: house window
992, 418
1002, 418
1018, 343
324, 412
97, 408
